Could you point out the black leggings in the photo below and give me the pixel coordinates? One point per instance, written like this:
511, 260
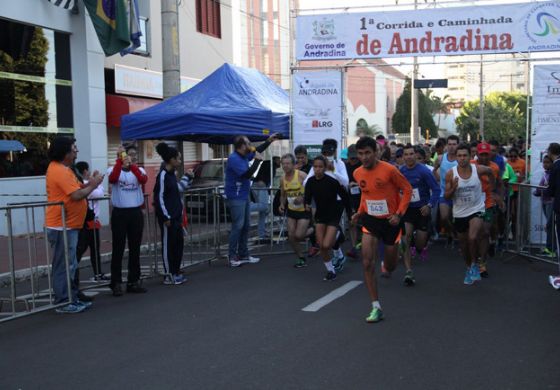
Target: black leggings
126, 224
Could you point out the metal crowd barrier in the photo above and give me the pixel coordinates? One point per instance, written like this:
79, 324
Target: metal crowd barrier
525, 237
26, 287
25, 291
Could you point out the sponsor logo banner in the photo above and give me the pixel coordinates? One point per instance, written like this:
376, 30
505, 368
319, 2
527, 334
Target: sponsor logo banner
317, 107
505, 28
545, 121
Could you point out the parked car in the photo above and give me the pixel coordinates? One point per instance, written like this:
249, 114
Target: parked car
208, 176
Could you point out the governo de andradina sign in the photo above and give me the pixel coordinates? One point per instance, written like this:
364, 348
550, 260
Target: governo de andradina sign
505, 28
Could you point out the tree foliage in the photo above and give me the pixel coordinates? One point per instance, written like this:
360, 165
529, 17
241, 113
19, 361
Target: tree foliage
505, 116
401, 117
363, 129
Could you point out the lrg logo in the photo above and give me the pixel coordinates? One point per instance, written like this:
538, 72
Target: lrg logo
321, 124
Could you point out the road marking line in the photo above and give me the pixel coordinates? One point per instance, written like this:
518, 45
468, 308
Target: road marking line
333, 295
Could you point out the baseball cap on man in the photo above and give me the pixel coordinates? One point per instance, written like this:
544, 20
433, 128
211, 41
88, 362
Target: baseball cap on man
483, 147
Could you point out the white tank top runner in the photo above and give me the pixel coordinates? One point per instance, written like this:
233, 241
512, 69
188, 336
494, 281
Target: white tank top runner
468, 198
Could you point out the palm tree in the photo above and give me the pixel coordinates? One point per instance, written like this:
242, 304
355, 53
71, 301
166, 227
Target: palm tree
363, 129
439, 105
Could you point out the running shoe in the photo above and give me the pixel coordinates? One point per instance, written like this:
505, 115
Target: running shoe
339, 261
376, 315
312, 251
475, 273
72, 308
482, 269
409, 278
234, 262
330, 276
548, 252
250, 259
468, 277
100, 278
384, 272
424, 254
301, 263
84, 304
554, 282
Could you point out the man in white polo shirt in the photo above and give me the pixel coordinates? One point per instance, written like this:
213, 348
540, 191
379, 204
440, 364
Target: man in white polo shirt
127, 221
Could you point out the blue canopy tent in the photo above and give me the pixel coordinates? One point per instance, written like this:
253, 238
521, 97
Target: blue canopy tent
231, 101
11, 146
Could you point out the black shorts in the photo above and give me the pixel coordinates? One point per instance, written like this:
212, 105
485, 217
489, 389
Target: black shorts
381, 228
415, 217
329, 217
462, 224
298, 214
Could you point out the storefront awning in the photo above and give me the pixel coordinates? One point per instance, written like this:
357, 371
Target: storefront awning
117, 106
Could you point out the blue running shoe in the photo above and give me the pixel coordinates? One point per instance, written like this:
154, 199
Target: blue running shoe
70, 309
468, 277
86, 305
475, 273
340, 261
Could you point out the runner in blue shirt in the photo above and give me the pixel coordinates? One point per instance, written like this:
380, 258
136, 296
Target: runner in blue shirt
425, 196
444, 163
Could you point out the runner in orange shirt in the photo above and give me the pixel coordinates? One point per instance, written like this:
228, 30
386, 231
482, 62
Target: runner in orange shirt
494, 198
381, 209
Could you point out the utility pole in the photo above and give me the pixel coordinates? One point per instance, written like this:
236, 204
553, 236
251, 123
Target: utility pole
414, 98
481, 122
171, 64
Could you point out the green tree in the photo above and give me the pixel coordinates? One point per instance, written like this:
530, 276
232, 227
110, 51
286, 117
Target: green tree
504, 117
401, 117
30, 102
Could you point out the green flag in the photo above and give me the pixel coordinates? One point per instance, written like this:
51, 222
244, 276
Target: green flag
110, 20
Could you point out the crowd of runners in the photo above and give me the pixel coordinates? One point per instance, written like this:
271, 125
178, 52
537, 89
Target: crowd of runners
396, 198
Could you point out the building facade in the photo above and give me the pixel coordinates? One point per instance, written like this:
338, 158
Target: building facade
56, 80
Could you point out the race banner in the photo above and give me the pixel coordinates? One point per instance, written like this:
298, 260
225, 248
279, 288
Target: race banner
545, 122
503, 28
317, 101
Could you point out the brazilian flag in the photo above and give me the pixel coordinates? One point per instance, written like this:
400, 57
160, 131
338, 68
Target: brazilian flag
110, 19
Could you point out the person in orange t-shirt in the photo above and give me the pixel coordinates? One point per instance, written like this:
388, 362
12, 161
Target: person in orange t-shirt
494, 199
381, 209
63, 186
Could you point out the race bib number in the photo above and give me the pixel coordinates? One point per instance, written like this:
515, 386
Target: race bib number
415, 195
377, 207
355, 190
291, 200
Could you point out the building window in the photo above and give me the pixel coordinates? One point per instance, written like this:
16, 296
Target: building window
143, 49
36, 94
208, 19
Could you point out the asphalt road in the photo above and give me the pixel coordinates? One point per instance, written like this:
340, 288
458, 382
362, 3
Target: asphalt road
245, 329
